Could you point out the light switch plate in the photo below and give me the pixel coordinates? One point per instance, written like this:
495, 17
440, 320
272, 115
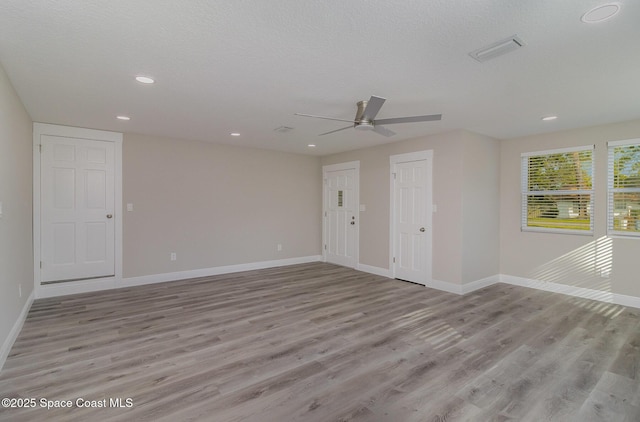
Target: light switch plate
129, 207
363, 208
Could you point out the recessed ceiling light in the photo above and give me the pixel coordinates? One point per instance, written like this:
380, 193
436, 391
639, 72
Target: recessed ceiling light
547, 118
234, 134
601, 13
144, 79
123, 118
311, 145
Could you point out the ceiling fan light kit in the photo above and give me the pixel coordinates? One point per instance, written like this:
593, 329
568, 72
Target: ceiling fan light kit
366, 114
364, 126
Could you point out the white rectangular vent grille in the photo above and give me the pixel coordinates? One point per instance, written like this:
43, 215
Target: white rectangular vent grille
283, 129
497, 49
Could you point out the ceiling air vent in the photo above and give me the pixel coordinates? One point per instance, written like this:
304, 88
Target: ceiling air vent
497, 49
283, 129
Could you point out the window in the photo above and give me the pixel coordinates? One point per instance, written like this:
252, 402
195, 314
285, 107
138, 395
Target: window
557, 190
623, 214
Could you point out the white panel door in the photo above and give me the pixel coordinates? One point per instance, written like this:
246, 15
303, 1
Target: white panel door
340, 217
412, 231
77, 208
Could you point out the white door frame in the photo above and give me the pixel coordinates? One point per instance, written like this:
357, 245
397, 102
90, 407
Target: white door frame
355, 165
403, 158
49, 290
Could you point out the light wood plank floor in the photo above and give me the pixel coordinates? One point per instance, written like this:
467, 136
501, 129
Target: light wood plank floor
318, 342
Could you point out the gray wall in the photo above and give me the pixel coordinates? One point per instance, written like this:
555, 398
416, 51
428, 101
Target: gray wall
458, 156
216, 205
575, 260
16, 187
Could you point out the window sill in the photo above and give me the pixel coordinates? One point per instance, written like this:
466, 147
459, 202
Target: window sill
623, 235
557, 231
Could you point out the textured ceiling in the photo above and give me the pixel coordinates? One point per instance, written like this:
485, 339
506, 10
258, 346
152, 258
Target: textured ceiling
248, 65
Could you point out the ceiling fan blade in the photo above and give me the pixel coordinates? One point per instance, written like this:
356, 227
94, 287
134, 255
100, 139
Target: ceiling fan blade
383, 131
373, 107
337, 130
323, 117
413, 119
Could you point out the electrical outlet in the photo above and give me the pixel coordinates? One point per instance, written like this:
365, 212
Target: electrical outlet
279, 247
174, 256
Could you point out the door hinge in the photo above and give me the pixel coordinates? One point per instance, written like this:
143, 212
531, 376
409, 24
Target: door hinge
40, 264
325, 213
394, 176
325, 247
394, 259
40, 146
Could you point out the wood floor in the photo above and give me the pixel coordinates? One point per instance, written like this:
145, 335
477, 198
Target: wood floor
317, 342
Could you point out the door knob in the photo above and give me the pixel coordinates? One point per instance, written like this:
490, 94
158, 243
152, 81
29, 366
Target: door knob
109, 215
422, 229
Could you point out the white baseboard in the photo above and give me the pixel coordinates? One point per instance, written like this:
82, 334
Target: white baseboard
445, 286
566, 289
557, 288
480, 284
205, 272
626, 300
384, 272
75, 287
463, 289
87, 286
433, 284
15, 330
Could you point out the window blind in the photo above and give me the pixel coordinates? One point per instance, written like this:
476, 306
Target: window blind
623, 188
557, 190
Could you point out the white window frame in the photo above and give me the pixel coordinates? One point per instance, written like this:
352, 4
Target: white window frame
524, 171
611, 145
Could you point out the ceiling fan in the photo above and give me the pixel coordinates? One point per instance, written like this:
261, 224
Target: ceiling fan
366, 118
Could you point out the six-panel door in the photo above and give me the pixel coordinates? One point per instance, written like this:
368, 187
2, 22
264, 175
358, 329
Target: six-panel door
411, 226
77, 210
